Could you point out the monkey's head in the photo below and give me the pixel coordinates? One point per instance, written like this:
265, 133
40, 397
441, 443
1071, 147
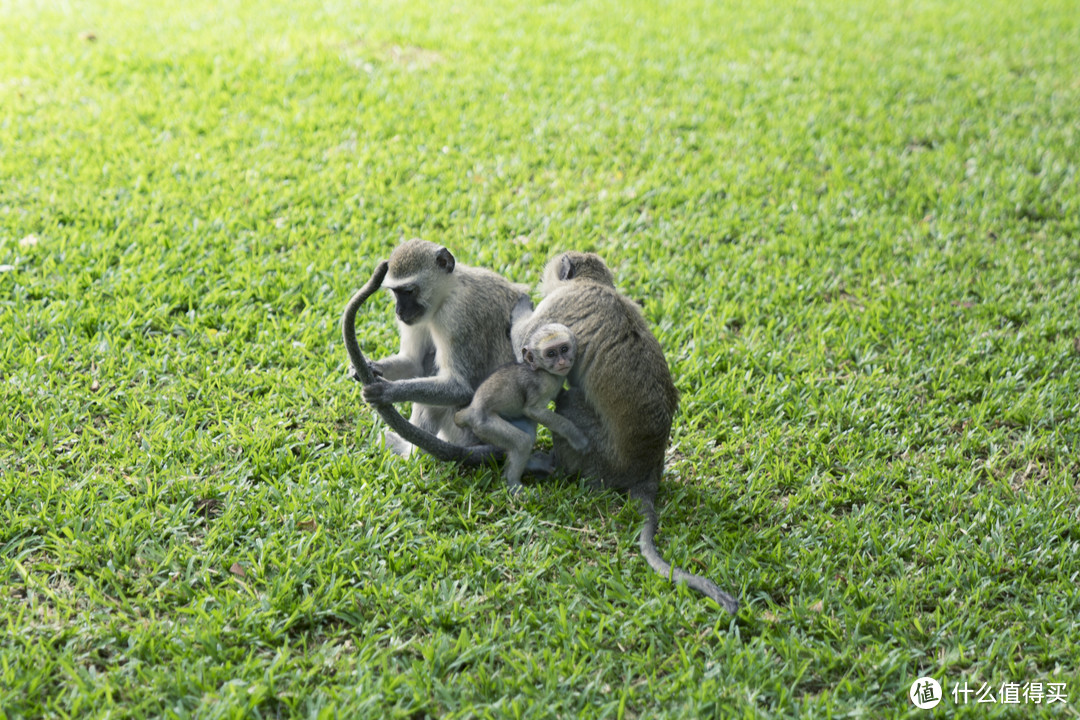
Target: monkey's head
576, 266
420, 277
551, 347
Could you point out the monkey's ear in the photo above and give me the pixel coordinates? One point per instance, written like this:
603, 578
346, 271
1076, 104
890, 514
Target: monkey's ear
566, 268
444, 260
528, 358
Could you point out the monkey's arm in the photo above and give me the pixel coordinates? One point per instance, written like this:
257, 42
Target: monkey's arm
398, 367
415, 359
520, 325
558, 425
426, 391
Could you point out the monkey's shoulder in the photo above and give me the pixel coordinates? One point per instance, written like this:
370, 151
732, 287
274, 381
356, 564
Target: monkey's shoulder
483, 301
592, 311
587, 293
529, 380
518, 372
484, 283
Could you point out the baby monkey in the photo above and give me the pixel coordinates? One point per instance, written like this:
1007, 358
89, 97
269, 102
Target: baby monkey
523, 390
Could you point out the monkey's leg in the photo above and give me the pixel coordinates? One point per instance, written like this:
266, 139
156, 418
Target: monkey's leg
396, 367
397, 444
517, 442
448, 430
423, 417
540, 464
524, 424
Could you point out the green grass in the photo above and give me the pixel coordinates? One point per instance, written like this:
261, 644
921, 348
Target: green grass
855, 228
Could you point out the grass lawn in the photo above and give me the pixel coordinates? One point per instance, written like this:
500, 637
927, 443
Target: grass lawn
853, 226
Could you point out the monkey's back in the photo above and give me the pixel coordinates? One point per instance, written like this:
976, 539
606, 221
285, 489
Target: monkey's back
481, 312
623, 379
494, 396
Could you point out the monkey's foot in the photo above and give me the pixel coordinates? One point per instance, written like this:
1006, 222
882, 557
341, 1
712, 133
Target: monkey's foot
397, 444
595, 485
540, 464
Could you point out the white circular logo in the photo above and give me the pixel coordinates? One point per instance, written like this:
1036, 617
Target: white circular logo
925, 693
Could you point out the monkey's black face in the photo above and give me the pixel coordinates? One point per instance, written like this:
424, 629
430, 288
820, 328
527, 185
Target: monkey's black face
409, 308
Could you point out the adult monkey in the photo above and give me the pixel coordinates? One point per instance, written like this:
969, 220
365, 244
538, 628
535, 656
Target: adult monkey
620, 394
454, 323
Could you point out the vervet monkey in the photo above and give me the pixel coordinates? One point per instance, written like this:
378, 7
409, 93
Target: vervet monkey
406, 431
620, 394
454, 324
524, 390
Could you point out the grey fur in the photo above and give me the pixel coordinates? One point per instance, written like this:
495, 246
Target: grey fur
620, 394
454, 330
405, 431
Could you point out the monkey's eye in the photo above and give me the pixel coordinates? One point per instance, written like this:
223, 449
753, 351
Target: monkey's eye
549, 354
564, 349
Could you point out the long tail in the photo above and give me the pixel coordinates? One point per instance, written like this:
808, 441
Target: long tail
652, 556
348, 324
424, 440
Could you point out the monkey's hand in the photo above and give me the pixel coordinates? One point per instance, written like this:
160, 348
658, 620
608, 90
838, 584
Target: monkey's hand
376, 393
522, 310
579, 442
376, 370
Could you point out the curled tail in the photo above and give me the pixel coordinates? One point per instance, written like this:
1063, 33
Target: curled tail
439, 449
652, 556
361, 370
